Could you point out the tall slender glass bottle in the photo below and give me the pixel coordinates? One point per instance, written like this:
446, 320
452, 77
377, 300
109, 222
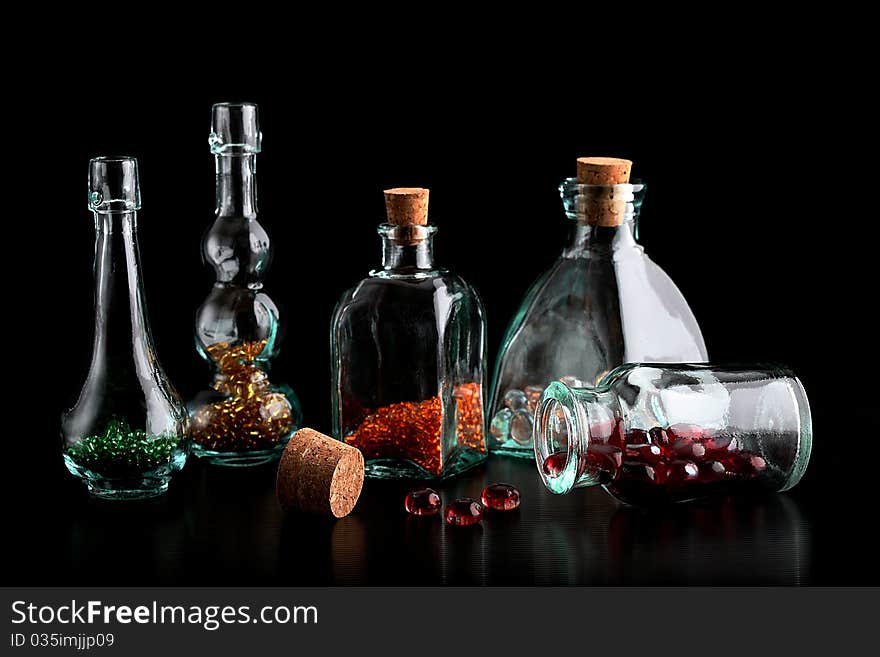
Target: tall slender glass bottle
602, 303
243, 419
127, 433
408, 351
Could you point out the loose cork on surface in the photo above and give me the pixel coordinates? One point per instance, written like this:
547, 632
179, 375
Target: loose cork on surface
603, 170
602, 205
318, 474
407, 206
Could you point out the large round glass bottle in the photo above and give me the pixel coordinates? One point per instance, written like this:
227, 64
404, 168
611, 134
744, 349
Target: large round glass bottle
603, 303
243, 418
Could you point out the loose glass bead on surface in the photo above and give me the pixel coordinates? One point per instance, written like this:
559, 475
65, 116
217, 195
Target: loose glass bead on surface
422, 502
466, 511
500, 497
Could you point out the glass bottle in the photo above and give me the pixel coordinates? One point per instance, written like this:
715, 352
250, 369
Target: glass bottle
602, 303
653, 433
127, 433
243, 418
408, 351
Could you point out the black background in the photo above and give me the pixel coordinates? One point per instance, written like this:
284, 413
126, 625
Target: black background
750, 208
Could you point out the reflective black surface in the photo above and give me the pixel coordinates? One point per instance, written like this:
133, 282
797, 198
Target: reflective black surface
738, 215
223, 526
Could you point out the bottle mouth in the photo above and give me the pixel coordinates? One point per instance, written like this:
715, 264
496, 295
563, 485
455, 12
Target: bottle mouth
558, 421
805, 434
113, 184
406, 234
577, 198
235, 129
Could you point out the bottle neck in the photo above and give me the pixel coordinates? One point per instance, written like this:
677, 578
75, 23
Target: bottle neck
579, 436
585, 239
236, 185
121, 327
407, 250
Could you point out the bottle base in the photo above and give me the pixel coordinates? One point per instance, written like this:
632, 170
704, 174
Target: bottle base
515, 450
134, 486
244, 459
113, 490
406, 469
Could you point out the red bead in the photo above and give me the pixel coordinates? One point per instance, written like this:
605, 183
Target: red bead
422, 502
712, 471
748, 464
681, 472
618, 438
500, 497
650, 454
555, 464
682, 430
720, 446
660, 437
636, 437
687, 449
607, 458
641, 473
466, 511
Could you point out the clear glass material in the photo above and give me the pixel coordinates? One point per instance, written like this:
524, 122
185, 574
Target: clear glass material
655, 433
127, 433
243, 418
408, 348
603, 303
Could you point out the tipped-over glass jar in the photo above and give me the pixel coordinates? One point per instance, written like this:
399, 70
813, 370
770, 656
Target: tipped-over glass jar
127, 433
603, 303
408, 348
655, 433
243, 418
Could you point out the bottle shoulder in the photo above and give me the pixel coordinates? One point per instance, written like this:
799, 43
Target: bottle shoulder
441, 291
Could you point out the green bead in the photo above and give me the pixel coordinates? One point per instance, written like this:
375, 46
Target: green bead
121, 451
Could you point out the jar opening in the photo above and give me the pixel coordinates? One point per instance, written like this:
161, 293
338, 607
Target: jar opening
805, 434
555, 435
581, 201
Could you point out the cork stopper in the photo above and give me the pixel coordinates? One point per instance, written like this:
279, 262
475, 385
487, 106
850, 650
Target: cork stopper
407, 206
603, 170
603, 205
318, 474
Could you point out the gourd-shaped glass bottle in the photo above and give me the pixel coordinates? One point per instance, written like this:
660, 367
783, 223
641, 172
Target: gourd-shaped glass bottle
243, 419
656, 433
408, 351
127, 433
602, 304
